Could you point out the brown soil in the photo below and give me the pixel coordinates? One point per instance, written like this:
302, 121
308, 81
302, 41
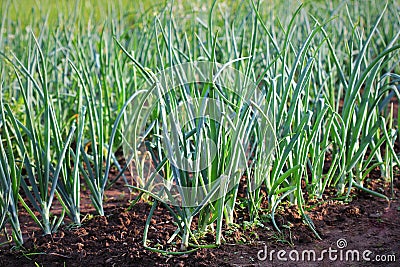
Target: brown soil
366, 223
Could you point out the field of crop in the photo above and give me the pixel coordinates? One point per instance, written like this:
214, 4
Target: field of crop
191, 132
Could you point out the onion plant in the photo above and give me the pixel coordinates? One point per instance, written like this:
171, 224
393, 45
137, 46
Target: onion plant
91, 166
44, 141
10, 175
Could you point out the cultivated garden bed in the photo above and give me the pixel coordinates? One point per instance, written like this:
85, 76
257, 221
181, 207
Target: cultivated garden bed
205, 133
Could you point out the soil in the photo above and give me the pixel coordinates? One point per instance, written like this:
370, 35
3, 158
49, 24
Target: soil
364, 223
